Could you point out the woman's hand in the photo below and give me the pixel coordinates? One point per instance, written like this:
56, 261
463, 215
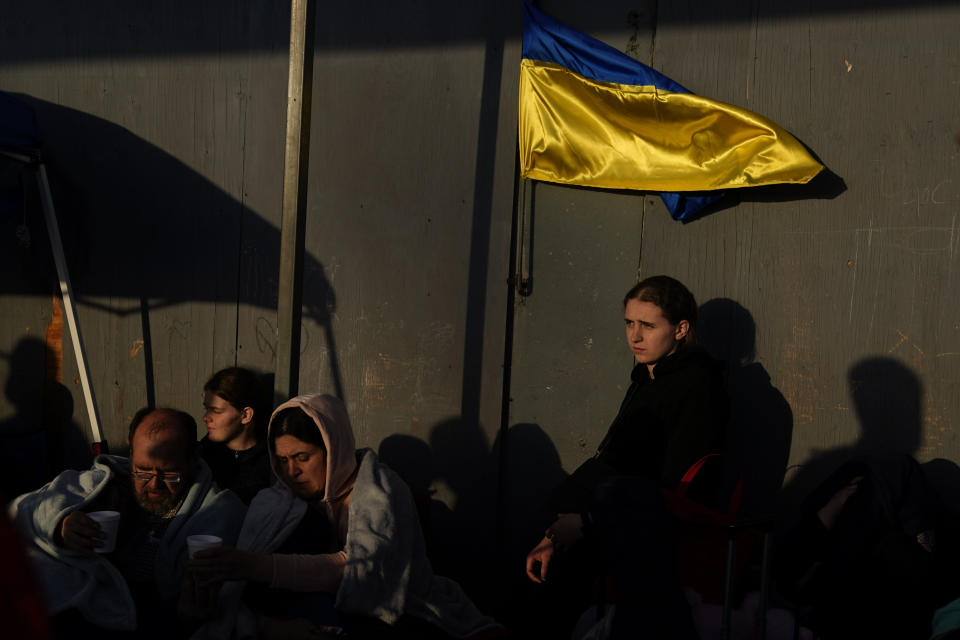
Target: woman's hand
541, 555
216, 565
566, 530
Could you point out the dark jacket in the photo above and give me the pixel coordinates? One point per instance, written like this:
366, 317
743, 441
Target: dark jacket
243, 472
664, 425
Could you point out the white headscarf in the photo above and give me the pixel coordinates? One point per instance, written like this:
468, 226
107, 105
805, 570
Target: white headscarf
330, 416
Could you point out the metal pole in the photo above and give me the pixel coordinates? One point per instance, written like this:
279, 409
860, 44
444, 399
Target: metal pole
728, 582
66, 292
765, 584
294, 212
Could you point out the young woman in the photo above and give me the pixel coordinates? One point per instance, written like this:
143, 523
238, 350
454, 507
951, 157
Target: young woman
673, 414
337, 542
235, 448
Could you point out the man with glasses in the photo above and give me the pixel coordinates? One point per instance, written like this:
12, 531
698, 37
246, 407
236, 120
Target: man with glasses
164, 492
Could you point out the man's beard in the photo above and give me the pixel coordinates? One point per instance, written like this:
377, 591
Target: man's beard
165, 507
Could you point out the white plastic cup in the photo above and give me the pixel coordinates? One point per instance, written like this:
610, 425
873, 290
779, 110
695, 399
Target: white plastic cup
109, 522
200, 542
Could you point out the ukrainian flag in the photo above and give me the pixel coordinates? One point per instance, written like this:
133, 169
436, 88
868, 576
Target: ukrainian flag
593, 116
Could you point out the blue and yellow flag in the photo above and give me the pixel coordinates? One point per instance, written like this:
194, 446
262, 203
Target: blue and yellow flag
593, 116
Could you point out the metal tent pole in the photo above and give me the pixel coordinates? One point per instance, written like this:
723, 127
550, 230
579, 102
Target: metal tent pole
66, 292
294, 212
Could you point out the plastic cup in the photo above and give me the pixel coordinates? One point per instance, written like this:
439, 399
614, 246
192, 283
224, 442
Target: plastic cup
200, 542
109, 522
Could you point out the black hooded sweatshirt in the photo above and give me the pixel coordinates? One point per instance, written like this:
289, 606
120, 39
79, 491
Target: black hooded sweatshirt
664, 426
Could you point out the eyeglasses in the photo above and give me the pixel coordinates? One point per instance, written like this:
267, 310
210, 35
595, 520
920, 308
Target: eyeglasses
163, 476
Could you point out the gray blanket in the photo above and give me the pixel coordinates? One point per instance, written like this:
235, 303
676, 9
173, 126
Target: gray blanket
387, 573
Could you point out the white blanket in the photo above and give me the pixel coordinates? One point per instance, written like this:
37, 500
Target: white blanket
387, 573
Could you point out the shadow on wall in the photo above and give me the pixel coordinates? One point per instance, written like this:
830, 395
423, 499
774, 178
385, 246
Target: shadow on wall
480, 540
412, 459
761, 422
460, 535
41, 439
943, 478
887, 397
37, 27
142, 231
531, 470
826, 185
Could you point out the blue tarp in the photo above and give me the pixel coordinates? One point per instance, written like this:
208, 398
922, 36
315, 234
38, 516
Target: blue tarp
18, 125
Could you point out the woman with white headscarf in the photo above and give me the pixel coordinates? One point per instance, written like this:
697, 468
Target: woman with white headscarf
335, 542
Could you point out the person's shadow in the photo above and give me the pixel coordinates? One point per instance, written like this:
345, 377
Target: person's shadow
454, 488
412, 459
530, 469
760, 429
465, 539
888, 398
498, 502
41, 438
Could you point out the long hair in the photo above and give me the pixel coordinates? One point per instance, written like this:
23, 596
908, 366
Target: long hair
241, 388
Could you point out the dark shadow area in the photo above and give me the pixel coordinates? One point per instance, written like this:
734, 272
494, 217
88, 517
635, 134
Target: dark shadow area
943, 479
48, 30
41, 439
461, 541
826, 185
172, 235
459, 537
482, 217
464, 540
760, 430
531, 470
44, 30
26, 262
888, 399
870, 539
412, 459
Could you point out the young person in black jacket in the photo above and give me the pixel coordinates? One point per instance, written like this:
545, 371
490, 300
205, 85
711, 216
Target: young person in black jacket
673, 414
235, 412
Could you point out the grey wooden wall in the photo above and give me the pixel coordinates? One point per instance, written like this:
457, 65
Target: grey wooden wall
853, 296
163, 132
834, 305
